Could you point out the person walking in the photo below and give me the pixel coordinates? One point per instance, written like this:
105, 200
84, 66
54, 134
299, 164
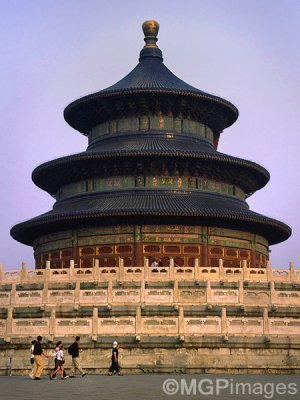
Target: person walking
38, 360
115, 367
59, 363
74, 351
57, 348
32, 358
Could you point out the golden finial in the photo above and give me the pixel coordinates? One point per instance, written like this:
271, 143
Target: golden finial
150, 29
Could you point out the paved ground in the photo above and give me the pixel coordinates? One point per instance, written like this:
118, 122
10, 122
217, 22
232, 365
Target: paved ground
150, 387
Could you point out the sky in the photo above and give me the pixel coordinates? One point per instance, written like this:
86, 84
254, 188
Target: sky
53, 52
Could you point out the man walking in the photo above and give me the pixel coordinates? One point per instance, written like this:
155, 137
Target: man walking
115, 367
74, 351
38, 360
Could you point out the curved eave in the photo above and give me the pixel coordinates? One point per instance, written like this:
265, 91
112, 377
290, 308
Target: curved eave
87, 112
52, 175
148, 208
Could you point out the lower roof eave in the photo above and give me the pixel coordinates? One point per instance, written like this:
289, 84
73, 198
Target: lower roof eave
274, 231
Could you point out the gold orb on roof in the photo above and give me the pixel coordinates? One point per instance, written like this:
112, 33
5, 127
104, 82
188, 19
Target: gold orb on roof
150, 28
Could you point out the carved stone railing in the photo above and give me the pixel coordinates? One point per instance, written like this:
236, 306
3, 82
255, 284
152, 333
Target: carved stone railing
161, 273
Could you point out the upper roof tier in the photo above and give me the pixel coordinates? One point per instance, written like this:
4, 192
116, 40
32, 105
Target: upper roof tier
148, 89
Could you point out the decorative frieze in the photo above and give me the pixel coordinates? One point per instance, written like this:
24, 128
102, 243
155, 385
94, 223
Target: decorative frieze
160, 325
93, 296
72, 326
61, 296
202, 326
2, 327
224, 296
256, 297
29, 297
117, 326
149, 182
126, 296
152, 122
31, 327
192, 295
4, 298
159, 296
245, 325
286, 326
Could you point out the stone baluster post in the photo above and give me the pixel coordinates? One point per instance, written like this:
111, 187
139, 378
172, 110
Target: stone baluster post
121, 269
52, 324
241, 292
96, 272
110, 293
77, 294
72, 270
175, 292
13, 294
272, 292
172, 269
181, 324
208, 292
95, 324
245, 269
221, 269
47, 275
138, 323
197, 269
224, 322
9, 323
45, 292
146, 268
143, 292
23, 272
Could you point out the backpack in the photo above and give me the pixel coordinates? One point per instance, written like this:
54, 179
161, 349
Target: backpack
71, 349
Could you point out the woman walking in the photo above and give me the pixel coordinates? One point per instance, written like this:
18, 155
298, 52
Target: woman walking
57, 348
59, 362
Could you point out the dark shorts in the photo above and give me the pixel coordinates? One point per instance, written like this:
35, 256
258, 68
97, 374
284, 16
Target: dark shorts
59, 363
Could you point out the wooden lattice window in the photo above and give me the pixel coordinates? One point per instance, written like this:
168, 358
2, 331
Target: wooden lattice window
124, 249
87, 251
171, 249
191, 249
231, 253
152, 249
66, 253
105, 250
218, 251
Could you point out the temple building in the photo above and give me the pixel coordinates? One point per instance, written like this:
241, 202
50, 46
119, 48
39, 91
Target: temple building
151, 240
152, 184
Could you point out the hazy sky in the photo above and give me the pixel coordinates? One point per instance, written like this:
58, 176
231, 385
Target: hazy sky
53, 52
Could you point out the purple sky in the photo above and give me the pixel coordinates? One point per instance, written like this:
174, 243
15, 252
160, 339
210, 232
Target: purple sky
53, 52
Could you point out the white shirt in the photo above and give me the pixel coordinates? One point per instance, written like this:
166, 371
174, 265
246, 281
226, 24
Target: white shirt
60, 355
31, 350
